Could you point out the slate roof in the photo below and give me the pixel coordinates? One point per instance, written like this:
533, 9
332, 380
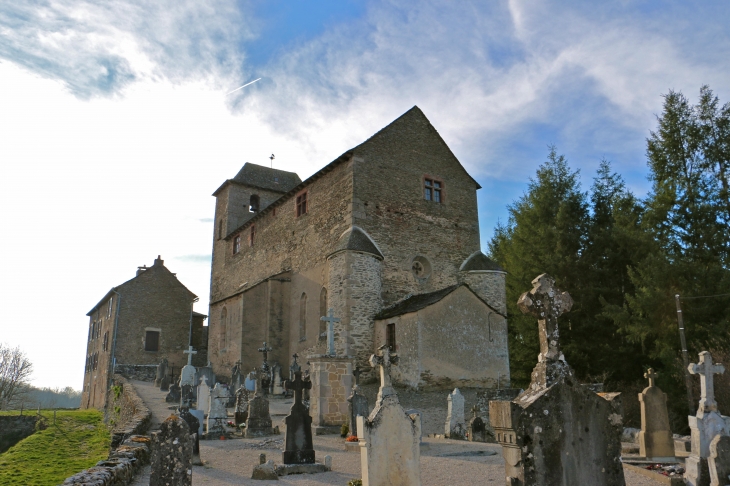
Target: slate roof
419, 301
356, 239
480, 261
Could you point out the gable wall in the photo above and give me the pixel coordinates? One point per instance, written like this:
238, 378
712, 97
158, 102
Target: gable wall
389, 204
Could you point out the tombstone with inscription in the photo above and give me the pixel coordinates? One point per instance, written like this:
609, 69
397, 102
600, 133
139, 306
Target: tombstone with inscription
259, 418
161, 372
655, 439
455, 427
557, 432
217, 413
389, 439
298, 446
477, 430
707, 424
172, 454
241, 413
203, 402
358, 403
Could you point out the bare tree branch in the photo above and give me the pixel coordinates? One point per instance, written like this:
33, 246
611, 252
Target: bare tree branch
15, 369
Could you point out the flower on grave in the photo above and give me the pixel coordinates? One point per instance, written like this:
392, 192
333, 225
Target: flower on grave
352, 438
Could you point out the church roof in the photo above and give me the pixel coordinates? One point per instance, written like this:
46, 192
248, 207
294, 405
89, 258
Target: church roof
480, 261
357, 239
419, 301
255, 175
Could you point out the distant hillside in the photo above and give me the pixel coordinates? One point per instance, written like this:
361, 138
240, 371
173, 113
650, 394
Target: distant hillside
52, 398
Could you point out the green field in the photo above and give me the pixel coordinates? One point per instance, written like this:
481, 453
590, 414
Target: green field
78, 441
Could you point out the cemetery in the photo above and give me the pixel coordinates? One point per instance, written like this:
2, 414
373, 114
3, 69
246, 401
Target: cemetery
321, 425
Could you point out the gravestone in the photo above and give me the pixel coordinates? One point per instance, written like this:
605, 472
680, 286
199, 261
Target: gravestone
389, 442
194, 427
358, 403
250, 382
198, 414
241, 413
236, 377
217, 414
259, 418
719, 461
276, 387
161, 372
172, 454
707, 423
477, 430
187, 380
455, 427
655, 439
203, 402
174, 395
165, 383
557, 432
298, 446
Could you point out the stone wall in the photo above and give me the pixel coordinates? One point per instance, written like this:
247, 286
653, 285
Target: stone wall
136, 372
126, 414
490, 286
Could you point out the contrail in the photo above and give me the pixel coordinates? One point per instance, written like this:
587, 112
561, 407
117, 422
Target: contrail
242, 86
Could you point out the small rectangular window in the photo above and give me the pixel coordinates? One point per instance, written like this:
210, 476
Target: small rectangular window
109, 311
236, 244
152, 341
432, 190
390, 337
301, 204
106, 341
253, 234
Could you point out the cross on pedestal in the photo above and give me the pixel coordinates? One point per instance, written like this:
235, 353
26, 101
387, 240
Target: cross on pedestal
651, 376
190, 354
547, 303
706, 369
356, 373
294, 366
330, 320
384, 361
298, 385
265, 349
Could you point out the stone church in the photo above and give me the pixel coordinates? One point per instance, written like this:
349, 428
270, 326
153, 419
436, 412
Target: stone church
386, 235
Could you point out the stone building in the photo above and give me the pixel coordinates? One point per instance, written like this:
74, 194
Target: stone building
135, 325
387, 235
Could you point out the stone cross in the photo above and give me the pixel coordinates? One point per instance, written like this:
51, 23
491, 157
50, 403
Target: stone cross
330, 320
706, 369
258, 376
294, 366
651, 376
547, 303
265, 349
475, 410
356, 374
190, 354
298, 385
384, 361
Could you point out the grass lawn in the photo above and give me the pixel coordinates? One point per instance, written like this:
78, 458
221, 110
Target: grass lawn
78, 441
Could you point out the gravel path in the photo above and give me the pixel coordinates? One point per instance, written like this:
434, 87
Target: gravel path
230, 462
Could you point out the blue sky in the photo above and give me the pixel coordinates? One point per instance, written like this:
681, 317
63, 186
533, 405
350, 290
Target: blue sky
116, 124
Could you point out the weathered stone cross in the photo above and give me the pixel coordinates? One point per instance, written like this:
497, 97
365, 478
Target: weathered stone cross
265, 349
651, 376
706, 369
384, 361
294, 366
298, 385
547, 303
330, 320
190, 354
258, 376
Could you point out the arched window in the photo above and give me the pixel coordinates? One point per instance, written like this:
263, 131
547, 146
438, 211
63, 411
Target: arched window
303, 317
224, 329
253, 205
322, 312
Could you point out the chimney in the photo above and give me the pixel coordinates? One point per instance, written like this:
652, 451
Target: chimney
159, 261
141, 269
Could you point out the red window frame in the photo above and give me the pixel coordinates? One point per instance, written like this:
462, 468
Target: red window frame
302, 205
